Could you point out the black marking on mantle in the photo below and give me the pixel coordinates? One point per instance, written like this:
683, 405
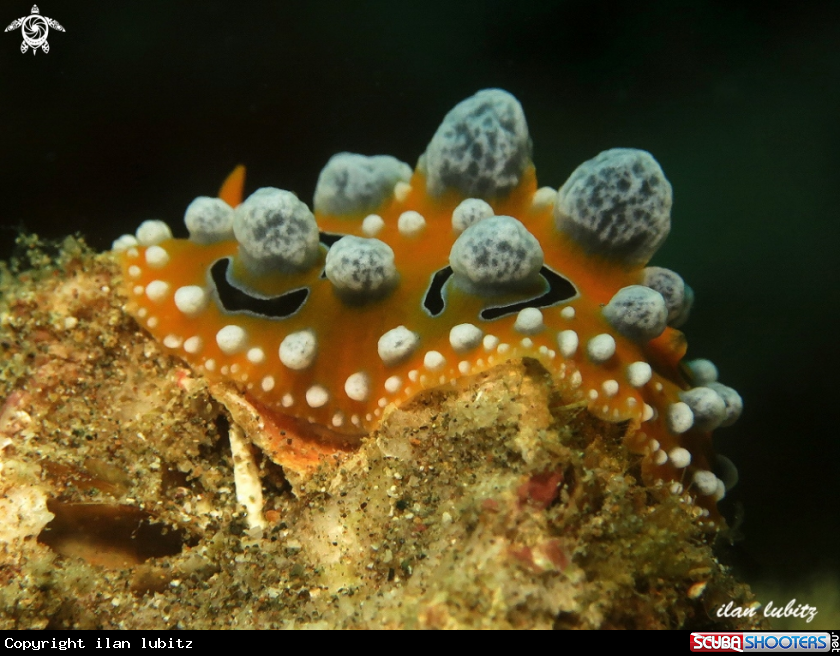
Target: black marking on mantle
234, 299
560, 289
329, 238
434, 302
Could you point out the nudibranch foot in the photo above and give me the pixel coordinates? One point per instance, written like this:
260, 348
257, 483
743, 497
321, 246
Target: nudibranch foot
398, 281
299, 448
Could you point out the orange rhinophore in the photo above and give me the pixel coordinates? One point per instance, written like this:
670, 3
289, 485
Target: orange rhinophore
231, 191
402, 280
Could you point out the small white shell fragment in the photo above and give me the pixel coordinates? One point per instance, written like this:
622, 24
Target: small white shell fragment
246, 477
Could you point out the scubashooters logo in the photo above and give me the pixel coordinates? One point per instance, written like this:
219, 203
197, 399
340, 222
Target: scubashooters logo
768, 641
35, 29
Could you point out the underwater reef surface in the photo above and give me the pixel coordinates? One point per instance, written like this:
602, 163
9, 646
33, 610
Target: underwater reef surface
132, 495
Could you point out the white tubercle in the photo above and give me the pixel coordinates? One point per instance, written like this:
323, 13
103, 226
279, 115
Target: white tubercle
152, 232
173, 341
255, 355
544, 197
529, 321
567, 342
298, 350
702, 371
610, 388
357, 386
193, 345
191, 300
705, 482
372, 225
124, 242
396, 345
157, 290
393, 384
433, 361
411, 223
157, 257
490, 342
465, 337
317, 396
680, 418
232, 339
401, 191
601, 348
680, 457
638, 374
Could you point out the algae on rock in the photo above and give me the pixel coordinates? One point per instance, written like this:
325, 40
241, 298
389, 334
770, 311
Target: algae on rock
486, 504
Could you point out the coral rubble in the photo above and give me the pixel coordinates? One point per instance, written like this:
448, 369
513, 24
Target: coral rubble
489, 503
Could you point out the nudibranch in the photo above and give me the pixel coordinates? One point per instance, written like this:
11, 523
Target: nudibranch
400, 280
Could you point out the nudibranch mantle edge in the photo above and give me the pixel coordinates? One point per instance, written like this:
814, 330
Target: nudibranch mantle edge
400, 280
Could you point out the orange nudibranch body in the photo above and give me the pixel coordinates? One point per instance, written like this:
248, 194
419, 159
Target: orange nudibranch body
402, 280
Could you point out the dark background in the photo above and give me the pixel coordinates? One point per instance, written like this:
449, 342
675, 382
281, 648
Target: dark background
141, 106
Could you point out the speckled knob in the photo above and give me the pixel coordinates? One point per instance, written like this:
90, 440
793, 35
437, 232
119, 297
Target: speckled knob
617, 205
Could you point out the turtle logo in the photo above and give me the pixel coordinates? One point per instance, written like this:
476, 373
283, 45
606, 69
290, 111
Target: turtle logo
34, 29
